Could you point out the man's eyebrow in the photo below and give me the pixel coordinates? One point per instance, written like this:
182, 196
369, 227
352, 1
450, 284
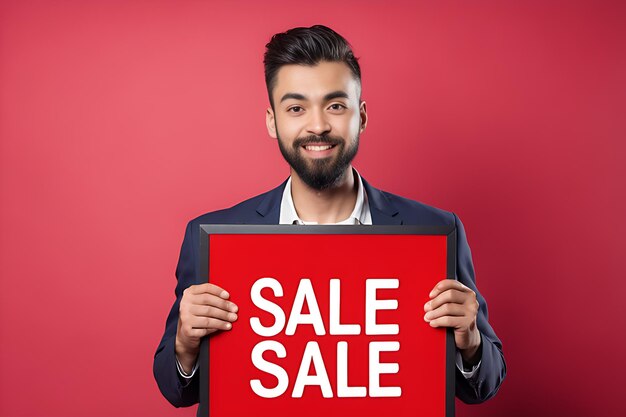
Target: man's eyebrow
336, 94
294, 96
329, 96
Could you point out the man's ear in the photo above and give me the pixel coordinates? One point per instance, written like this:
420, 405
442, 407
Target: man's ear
363, 114
270, 122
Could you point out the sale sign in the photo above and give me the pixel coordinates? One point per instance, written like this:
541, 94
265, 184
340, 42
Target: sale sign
330, 322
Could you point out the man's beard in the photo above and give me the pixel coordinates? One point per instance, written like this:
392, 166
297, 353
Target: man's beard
320, 173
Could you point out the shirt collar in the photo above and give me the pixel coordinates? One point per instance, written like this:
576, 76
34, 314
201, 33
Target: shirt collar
360, 214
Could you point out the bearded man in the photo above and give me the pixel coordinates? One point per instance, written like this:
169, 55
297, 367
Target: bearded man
316, 114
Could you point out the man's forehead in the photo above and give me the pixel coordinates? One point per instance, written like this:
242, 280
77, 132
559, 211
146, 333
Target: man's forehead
315, 81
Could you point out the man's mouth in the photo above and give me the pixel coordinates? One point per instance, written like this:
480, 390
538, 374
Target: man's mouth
318, 147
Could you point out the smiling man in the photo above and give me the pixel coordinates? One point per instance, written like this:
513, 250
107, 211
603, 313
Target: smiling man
317, 115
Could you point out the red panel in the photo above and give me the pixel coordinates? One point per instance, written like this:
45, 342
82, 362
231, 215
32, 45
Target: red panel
418, 262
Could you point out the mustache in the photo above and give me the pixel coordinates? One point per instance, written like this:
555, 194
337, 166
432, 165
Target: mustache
326, 139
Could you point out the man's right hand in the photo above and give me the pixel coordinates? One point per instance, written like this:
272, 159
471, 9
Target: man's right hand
204, 309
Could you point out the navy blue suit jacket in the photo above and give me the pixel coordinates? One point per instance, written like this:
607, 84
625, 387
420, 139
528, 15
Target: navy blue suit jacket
386, 209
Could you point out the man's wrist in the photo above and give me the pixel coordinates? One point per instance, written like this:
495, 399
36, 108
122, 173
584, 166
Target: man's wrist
185, 356
183, 373
472, 355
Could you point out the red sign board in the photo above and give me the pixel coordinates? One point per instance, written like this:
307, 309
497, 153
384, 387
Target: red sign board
330, 322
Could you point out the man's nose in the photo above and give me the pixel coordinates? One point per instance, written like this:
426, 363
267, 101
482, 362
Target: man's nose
318, 123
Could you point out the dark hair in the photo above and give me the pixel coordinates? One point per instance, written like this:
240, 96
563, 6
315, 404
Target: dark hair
306, 46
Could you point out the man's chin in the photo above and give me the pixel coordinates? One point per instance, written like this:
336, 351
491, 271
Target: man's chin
320, 180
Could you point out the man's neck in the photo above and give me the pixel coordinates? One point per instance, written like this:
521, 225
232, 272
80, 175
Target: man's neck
328, 206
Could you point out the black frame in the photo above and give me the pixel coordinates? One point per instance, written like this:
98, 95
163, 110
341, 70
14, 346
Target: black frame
245, 229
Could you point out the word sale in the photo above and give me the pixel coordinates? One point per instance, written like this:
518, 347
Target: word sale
312, 354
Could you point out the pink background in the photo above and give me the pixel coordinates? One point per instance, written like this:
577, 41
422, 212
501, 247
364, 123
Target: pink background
120, 121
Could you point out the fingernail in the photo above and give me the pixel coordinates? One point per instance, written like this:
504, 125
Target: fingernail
228, 326
232, 316
224, 294
427, 306
234, 308
427, 316
431, 294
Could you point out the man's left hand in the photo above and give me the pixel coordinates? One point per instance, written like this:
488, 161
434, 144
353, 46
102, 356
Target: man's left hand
454, 305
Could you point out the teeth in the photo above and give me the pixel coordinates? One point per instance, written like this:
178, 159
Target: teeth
318, 148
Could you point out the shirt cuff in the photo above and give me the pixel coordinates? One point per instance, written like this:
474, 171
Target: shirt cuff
459, 364
182, 372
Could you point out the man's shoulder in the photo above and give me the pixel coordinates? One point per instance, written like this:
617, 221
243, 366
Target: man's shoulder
247, 211
415, 212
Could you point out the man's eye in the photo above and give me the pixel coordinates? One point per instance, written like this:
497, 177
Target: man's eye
295, 109
337, 106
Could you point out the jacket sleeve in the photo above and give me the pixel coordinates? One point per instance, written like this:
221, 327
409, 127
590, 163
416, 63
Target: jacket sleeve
492, 368
175, 389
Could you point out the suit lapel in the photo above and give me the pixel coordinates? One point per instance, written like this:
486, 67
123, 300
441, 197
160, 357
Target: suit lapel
382, 210
269, 208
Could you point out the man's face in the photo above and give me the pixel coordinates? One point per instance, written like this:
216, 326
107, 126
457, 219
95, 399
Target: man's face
317, 119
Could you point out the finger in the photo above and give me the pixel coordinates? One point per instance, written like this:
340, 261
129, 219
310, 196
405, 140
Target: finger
449, 309
447, 284
210, 323
448, 321
210, 311
198, 333
208, 288
214, 301
448, 296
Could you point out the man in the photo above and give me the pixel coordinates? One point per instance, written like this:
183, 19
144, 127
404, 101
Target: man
316, 114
